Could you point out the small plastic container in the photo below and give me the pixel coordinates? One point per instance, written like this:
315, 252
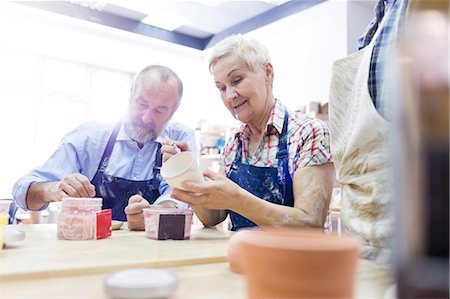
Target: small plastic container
168, 224
3, 222
4, 206
78, 219
140, 284
54, 209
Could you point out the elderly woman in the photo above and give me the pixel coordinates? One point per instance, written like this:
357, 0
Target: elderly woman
276, 168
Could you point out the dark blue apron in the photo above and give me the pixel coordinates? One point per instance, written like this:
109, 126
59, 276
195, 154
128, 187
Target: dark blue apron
116, 191
273, 184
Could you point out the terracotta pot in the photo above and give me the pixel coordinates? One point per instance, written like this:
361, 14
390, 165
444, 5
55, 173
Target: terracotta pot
235, 249
287, 263
235, 254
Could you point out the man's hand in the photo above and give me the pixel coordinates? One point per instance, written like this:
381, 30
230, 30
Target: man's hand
73, 185
168, 149
135, 213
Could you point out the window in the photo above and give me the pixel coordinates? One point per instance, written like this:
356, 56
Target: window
42, 98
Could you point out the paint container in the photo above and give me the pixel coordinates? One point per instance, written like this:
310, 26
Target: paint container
3, 222
168, 223
4, 207
83, 219
54, 209
141, 283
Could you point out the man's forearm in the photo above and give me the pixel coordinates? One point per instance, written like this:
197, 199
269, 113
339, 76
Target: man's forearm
39, 195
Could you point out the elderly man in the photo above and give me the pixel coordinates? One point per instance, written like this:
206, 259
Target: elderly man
115, 163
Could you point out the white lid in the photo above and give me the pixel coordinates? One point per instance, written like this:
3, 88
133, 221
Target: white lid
165, 211
81, 201
141, 284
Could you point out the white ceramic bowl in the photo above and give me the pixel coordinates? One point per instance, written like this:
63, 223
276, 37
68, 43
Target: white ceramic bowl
181, 167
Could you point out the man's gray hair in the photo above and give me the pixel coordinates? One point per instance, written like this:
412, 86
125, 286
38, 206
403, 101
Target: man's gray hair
164, 74
250, 51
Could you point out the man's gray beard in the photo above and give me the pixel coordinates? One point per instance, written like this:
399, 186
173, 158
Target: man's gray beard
141, 135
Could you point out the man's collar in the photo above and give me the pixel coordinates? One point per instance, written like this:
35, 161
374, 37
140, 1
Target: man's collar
123, 136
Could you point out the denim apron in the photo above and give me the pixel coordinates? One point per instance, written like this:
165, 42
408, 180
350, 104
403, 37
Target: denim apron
116, 191
273, 184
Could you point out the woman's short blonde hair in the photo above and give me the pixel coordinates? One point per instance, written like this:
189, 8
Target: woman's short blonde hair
250, 51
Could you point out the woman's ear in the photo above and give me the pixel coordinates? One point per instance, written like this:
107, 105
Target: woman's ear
268, 69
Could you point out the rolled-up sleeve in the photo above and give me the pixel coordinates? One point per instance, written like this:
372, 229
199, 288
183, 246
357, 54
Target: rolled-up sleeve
20, 190
315, 146
165, 196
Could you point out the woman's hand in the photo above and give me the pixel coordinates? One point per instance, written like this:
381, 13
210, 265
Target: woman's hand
169, 148
217, 193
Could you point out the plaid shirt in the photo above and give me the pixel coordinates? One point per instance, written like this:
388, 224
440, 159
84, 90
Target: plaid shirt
377, 83
308, 142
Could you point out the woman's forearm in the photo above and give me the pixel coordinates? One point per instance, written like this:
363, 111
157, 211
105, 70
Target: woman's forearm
209, 217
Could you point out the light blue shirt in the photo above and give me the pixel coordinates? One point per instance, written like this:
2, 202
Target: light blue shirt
81, 150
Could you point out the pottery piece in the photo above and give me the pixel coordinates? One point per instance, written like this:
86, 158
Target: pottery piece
288, 263
234, 249
181, 167
116, 224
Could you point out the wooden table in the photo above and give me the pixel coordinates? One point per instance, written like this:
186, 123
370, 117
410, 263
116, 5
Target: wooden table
43, 267
42, 255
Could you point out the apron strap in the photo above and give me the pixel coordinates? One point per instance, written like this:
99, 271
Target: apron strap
284, 177
282, 156
108, 150
157, 169
282, 143
238, 157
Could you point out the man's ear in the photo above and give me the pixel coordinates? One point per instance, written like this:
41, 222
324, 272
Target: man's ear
175, 107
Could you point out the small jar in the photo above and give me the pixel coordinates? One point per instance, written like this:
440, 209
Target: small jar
77, 218
3, 223
4, 207
168, 223
54, 208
